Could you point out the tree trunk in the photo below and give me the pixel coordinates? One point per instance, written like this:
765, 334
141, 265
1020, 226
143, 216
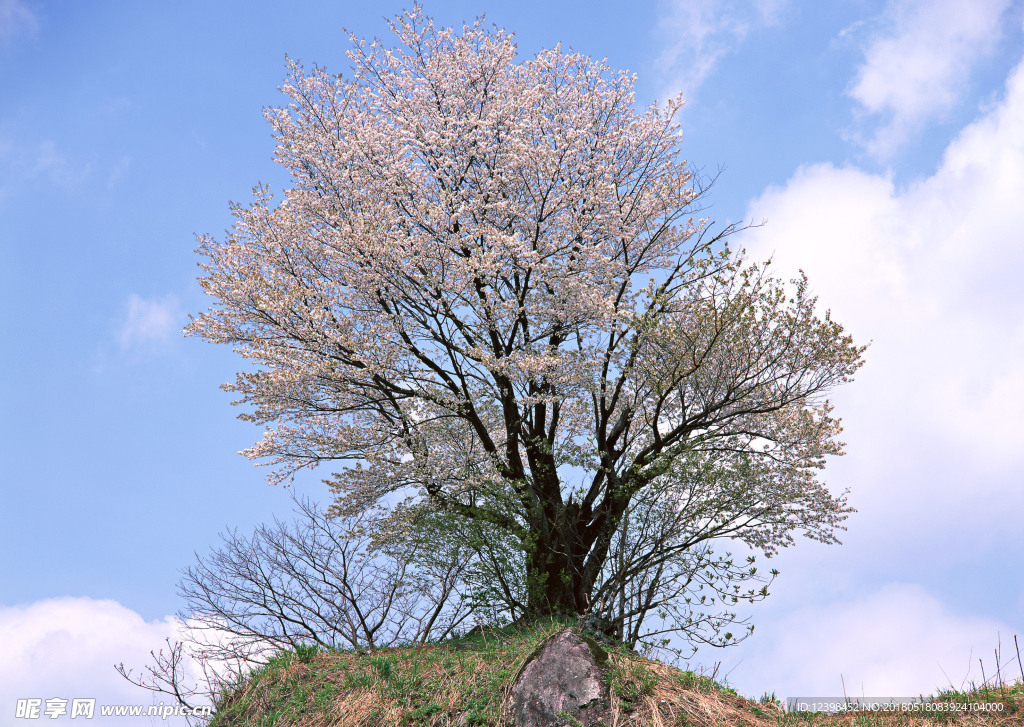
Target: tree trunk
558, 583
555, 583
569, 550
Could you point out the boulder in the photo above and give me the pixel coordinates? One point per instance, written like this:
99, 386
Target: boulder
564, 674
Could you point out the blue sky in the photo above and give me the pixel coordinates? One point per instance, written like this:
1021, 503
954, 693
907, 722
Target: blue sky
881, 140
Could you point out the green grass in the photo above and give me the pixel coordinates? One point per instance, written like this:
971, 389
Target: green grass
464, 682
426, 685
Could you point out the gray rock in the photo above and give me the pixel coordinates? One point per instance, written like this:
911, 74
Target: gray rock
564, 674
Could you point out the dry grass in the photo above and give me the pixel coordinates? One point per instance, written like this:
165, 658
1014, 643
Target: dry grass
675, 698
463, 683
683, 699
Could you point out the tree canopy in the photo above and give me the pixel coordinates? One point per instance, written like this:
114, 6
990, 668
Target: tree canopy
489, 304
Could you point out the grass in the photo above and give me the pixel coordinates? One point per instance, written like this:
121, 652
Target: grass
984, 707
461, 682
464, 682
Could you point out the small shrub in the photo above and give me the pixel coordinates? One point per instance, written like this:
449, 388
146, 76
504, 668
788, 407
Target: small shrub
382, 665
697, 682
631, 680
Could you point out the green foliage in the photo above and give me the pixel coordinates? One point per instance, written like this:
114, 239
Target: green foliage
691, 680
306, 652
382, 665
631, 680
421, 713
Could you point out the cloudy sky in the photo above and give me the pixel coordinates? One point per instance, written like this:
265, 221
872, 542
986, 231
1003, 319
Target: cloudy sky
881, 142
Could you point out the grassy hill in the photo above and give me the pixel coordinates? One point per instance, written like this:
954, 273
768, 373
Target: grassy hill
463, 683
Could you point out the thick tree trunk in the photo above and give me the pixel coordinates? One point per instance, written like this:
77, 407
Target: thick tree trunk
556, 582
570, 543
568, 553
555, 566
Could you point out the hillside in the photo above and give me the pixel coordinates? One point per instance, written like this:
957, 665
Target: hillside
463, 683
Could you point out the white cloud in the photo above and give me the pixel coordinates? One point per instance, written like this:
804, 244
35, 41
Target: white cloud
67, 647
16, 19
899, 641
53, 165
931, 273
917, 68
40, 163
698, 33
150, 321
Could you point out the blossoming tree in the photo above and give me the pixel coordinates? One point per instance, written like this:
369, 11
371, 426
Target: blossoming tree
486, 295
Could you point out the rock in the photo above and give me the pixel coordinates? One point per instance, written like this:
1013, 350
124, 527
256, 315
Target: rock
564, 674
604, 630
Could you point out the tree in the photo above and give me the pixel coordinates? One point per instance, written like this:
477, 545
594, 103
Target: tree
486, 296
332, 583
316, 582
